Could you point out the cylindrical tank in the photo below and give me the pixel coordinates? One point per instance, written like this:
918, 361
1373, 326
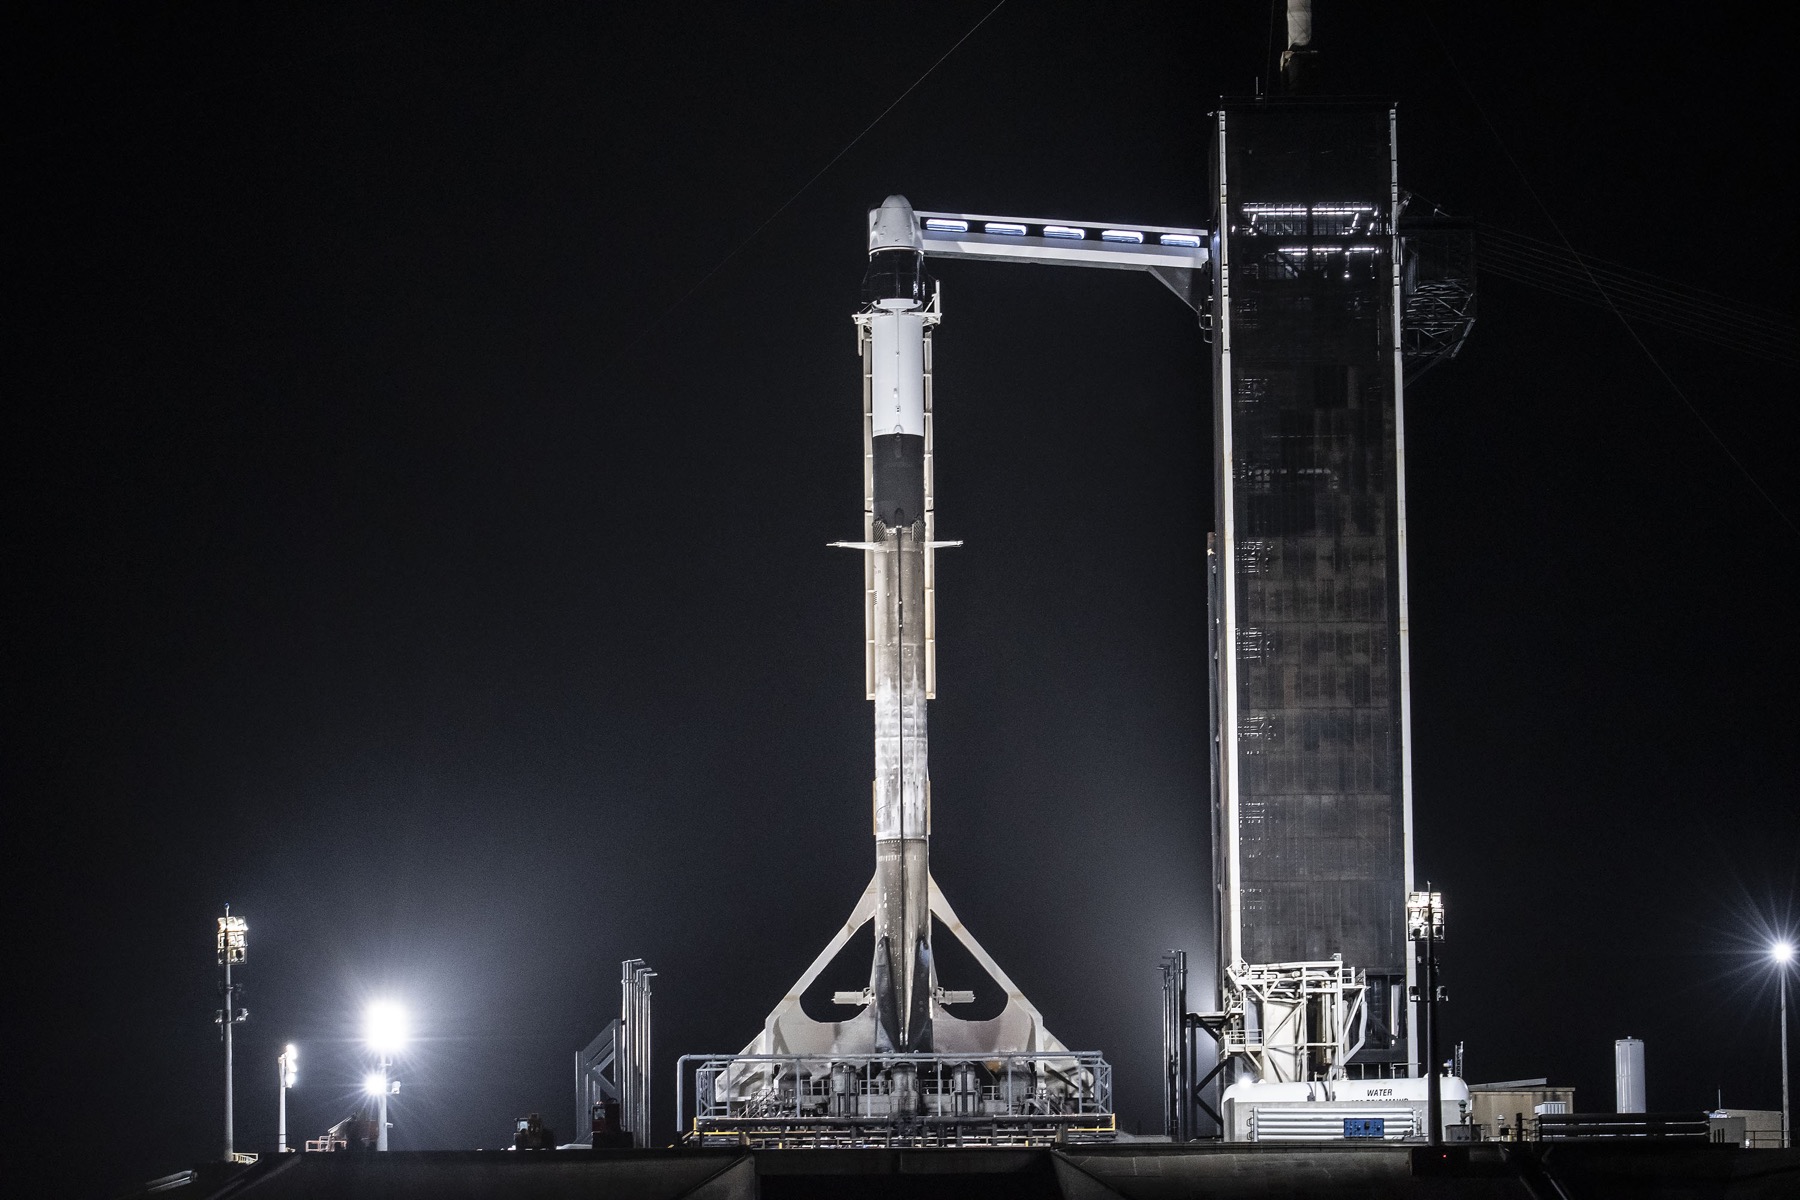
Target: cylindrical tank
903, 1084
967, 1086
845, 1093
1628, 1074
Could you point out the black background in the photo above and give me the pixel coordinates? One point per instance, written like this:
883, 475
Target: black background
417, 513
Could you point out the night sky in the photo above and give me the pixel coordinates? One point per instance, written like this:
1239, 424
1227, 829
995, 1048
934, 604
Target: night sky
419, 480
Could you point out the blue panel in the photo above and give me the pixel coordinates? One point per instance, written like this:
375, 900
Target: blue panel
1364, 1127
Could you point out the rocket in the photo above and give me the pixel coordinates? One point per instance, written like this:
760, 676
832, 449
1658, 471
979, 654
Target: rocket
903, 1010
894, 334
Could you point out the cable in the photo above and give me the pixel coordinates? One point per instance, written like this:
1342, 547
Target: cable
819, 174
1673, 321
1648, 296
1641, 290
1654, 302
1525, 243
1563, 238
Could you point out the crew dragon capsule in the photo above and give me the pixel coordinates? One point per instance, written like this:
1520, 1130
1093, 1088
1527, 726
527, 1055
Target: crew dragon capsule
903, 1010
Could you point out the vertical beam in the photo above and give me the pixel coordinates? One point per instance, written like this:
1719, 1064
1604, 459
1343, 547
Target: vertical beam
1168, 1055
626, 1062
1184, 1111
1787, 1136
633, 1052
1178, 1051
1434, 1114
1231, 919
1214, 751
930, 552
1396, 263
862, 349
230, 1015
381, 1129
649, 1062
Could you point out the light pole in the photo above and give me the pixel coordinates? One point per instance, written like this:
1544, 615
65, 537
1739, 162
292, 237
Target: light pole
1783, 954
384, 1029
234, 934
287, 1070
1425, 923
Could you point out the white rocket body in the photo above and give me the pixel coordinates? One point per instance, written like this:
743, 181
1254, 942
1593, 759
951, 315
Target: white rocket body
902, 981
903, 1010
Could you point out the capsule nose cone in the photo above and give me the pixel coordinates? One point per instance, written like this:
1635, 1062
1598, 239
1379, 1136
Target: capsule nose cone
894, 227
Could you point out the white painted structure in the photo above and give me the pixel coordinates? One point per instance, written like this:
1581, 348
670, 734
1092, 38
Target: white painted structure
1628, 1075
1389, 1110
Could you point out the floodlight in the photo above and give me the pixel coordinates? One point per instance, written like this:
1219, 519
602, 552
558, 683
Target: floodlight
1782, 952
384, 1027
290, 1066
1425, 916
375, 1083
234, 938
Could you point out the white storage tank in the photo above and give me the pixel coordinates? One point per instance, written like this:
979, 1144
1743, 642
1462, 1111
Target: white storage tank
1628, 1074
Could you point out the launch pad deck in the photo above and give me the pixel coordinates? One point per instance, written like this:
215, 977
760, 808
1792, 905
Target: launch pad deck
897, 1100
1132, 1171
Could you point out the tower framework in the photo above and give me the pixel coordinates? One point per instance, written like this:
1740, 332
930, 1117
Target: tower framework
1313, 783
